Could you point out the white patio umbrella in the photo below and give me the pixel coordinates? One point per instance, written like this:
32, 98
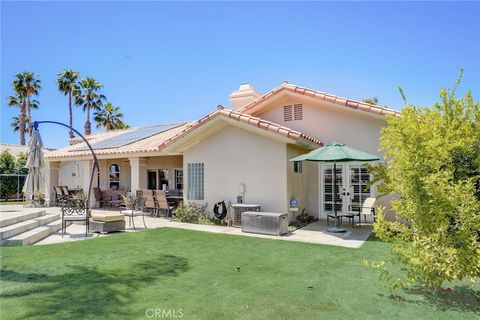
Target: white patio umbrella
35, 162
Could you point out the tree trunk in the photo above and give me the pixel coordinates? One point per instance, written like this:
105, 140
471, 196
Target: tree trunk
22, 123
30, 124
88, 128
71, 114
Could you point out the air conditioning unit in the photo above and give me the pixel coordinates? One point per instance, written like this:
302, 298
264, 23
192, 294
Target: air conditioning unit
271, 223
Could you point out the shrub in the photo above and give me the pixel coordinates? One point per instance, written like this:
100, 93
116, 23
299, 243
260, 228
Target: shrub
433, 164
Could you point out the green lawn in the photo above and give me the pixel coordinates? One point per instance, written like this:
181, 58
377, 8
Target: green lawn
121, 277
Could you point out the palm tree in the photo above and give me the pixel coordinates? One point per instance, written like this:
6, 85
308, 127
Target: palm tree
110, 118
88, 98
18, 100
15, 124
28, 84
67, 82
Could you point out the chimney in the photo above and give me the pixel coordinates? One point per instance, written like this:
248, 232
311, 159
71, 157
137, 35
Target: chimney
243, 96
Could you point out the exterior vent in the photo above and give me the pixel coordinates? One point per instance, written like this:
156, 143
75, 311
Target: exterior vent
287, 113
298, 112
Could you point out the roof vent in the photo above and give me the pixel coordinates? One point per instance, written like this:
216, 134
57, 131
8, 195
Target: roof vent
243, 96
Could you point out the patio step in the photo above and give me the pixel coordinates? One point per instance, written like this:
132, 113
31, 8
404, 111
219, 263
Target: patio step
24, 226
34, 235
21, 217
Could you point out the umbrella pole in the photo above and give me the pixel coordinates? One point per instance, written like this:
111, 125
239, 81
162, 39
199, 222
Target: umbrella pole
335, 194
337, 228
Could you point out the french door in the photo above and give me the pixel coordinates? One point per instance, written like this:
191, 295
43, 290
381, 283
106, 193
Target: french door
351, 185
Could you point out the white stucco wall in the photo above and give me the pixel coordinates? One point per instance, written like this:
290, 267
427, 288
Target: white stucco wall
233, 156
329, 122
326, 122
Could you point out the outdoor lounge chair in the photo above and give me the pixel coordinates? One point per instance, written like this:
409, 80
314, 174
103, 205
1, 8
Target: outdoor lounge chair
367, 209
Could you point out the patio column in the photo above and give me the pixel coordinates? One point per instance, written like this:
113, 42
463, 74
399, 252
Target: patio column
86, 172
102, 164
138, 174
51, 179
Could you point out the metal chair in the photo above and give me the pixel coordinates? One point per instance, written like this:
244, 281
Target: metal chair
367, 209
99, 198
75, 210
59, 197
162, 203
150, 205
135, 211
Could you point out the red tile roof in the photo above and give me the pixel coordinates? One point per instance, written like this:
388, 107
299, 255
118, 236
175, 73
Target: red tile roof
248, 119
157, 142
321, 96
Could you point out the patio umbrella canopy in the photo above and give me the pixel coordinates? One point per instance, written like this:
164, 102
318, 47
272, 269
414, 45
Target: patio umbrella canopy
35, 162
335, 152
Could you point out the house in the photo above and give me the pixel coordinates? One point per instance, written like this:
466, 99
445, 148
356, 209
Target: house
238, 151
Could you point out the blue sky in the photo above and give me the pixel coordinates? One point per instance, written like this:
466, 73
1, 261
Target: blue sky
167, 62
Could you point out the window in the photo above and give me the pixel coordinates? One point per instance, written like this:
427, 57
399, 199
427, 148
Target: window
114, 180
195, 181
293, 112
297, 167
179, 179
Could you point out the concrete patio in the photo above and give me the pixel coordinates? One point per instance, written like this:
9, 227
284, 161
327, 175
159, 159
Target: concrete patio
315, 232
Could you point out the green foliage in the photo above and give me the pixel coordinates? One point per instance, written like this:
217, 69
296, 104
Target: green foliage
110, 118
372, 100
20, 164
192, 213
433, 168
8, 165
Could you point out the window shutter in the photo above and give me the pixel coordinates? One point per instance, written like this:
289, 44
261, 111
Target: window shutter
298, 112
287, 113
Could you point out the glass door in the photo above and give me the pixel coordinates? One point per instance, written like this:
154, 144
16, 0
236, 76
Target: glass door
328, 191
352, 187
359, 189
152, 179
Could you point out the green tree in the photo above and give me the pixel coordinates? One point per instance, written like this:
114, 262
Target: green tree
7, 163
67, 82
8, 185
27, 84
20, 163
15, 124
433, 166
372, 100
109, 117
18, 101
88, 98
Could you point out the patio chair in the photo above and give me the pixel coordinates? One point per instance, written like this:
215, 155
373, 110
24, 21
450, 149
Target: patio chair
65, 191
367, 209
59, 197
150, 205
162, 203
136, 211
74, 210
99, 198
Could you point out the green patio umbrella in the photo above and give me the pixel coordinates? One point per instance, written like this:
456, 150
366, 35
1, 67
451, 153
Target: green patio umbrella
336, 152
